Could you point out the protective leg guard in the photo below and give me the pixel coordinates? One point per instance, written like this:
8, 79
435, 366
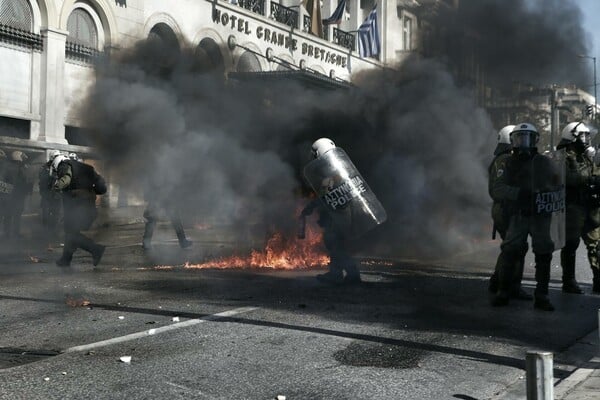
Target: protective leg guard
542, 277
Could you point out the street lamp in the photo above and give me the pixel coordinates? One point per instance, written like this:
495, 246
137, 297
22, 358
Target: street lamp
595, 84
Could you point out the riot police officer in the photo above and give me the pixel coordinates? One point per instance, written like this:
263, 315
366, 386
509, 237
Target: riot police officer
79, 184
347, 207
582, 205
500, 216
514, 185
333, 237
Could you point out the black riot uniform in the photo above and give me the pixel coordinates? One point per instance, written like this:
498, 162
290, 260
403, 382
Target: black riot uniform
513, 185
336, 245
79, 184
582, 206
49, 199
501, 219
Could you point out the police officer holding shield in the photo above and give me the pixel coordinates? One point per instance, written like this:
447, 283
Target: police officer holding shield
501, 216
529, 184
582, 205
347, 207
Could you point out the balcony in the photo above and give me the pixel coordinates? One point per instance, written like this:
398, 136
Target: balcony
285, 15
292, 17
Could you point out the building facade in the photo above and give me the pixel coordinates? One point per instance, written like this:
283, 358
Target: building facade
47, 48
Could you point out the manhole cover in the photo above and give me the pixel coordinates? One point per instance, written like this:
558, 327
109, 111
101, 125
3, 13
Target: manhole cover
379, 355
11, 357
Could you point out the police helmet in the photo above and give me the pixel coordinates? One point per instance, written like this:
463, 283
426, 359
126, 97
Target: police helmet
52, 154
504, 134
321, 146
524, 136
73, 156
576, 131
56, 162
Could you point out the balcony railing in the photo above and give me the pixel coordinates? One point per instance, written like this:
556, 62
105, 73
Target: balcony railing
20, 37
343, 38
256, 6
80, 52
285, 15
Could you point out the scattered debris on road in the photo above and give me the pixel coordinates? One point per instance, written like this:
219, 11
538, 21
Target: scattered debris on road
125, 359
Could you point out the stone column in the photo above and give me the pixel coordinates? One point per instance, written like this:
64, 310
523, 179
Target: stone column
52, 87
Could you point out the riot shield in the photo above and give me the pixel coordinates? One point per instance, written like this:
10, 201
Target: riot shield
352, 205
548, 189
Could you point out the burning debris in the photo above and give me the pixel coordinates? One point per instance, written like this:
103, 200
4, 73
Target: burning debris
281, 252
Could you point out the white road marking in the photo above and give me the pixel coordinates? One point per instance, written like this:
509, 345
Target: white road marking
157, 331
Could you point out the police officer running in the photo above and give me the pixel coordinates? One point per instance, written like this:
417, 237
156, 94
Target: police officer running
79, 184
500, 216
582, 205
514, 186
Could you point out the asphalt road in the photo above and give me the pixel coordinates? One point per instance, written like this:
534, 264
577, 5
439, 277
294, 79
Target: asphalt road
414, 330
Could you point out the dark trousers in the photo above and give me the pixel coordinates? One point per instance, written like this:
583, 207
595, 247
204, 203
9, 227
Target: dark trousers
78, 216
340, 259
151, 216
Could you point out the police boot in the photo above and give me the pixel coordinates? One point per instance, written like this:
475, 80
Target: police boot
517, 291
567, 261
542, 277
184, 243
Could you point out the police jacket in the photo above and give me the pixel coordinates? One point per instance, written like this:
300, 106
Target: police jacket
579, 170
518, 174
79, 180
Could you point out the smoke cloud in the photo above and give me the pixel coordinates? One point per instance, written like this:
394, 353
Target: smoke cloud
527, 41
233, 152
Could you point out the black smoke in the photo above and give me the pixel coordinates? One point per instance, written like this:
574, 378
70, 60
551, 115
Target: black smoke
232, 152
528, 41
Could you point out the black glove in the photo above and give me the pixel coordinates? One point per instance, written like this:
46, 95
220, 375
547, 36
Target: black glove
525, 199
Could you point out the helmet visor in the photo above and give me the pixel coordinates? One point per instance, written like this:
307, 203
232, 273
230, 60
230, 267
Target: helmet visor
523, 139
584, 137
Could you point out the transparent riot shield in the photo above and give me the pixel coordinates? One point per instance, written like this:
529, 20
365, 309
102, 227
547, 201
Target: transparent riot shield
353, 207
548, 189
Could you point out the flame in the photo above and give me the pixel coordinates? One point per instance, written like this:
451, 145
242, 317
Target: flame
280, 252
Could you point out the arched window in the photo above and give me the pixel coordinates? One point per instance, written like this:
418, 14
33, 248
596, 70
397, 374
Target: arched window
163, 33
248, 62
209, 56
16, 13
82, 29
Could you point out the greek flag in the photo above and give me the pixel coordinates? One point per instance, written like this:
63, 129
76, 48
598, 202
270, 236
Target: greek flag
337, 15
368, 36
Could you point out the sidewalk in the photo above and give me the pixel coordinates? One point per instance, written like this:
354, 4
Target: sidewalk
584, 382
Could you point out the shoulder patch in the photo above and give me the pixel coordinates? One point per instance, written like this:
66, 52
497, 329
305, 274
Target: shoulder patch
499, 172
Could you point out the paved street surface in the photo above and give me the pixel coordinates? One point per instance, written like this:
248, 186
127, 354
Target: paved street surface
416, 329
